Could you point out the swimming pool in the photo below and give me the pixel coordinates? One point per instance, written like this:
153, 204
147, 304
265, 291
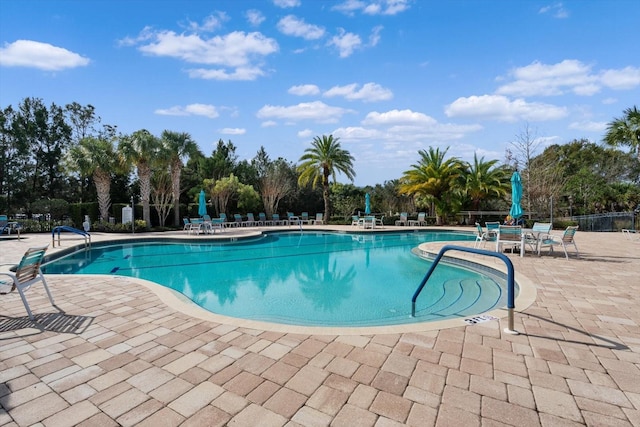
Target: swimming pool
308, 278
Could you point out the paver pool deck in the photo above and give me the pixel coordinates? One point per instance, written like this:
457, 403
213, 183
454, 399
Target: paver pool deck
126, 353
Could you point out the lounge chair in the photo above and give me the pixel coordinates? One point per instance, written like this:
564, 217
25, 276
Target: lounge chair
304, 218
9, 226
567, 238
292, 219
262, 219
26, 274
511, 235
275, 219
319, 219
237, 220
355, 219
420, 221
250, 221
187, 224
403, 219
484, 236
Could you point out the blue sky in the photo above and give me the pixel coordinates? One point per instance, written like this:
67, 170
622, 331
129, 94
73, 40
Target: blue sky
388, 77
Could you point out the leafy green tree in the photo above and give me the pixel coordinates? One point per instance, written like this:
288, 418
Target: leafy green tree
278, 182
437, 178
47, 135
625, 131
14, 161
484, 180
222, 191
96, 157
346, 198
141, 149
323, 160
177, 145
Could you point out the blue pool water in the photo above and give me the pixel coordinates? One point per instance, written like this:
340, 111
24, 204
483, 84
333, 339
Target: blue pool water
319, 279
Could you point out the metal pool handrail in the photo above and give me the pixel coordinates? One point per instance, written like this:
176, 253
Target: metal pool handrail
60, 228
510, 279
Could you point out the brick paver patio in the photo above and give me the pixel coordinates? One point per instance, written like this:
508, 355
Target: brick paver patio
124, 354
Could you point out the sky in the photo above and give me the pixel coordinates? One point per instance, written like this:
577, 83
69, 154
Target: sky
386, 77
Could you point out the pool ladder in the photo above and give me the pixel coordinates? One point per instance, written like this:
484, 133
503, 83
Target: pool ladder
510, 280
60, 228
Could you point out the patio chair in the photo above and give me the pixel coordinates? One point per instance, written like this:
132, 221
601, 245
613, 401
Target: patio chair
187, 224
319, 219
422, 220
27, 273
567, 238
484, 236
237, 220
403, 219
537, 234
379, 222
291, 219
275, 219
355, 219
510, 235
262, 219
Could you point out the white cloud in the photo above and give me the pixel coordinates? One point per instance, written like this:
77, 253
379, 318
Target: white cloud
44, 56
293, 26
317, 111
255, 17
241, 73
205, 110
302, 90
626, 78
237, 54
556, 10
501, 108
268, 124
589, 126
305, 133
373, 7
233, 131
374, 37
209, 24
286, 3
369, 92
396, 117
570, 75
345, 42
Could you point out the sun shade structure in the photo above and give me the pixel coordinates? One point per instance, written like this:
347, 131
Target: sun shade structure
202, 204
367, 204
516, 195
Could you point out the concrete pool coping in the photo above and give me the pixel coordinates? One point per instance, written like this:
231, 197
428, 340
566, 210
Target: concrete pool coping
180, 302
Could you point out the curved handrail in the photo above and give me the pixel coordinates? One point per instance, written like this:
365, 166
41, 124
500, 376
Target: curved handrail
60, 228
510, 279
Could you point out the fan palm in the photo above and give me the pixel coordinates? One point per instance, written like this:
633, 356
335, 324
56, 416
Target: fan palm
140, 149
436, 178
625, 130
178, 145
324, 159
96, 157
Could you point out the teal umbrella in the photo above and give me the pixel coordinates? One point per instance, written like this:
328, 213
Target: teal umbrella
367, 204
516, 195
202, 204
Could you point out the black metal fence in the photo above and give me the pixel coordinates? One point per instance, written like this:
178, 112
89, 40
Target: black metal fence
612, 221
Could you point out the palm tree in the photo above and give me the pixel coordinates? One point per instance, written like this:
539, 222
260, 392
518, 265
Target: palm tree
436, 178
625, 130
321, 161
483, 180
96, 157
140, 149
178, 145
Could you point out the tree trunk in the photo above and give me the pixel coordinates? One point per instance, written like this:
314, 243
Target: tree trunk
176, 170
102, 180
144, 174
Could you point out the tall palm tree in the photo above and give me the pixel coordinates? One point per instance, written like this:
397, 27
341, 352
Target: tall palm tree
323, 160
140, 149
483, 180
178, 145
436, 178
625, 130
96, 157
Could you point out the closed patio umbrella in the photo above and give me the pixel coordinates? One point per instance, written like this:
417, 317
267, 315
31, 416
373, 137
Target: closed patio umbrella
516, 195
202, 204
367, 204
